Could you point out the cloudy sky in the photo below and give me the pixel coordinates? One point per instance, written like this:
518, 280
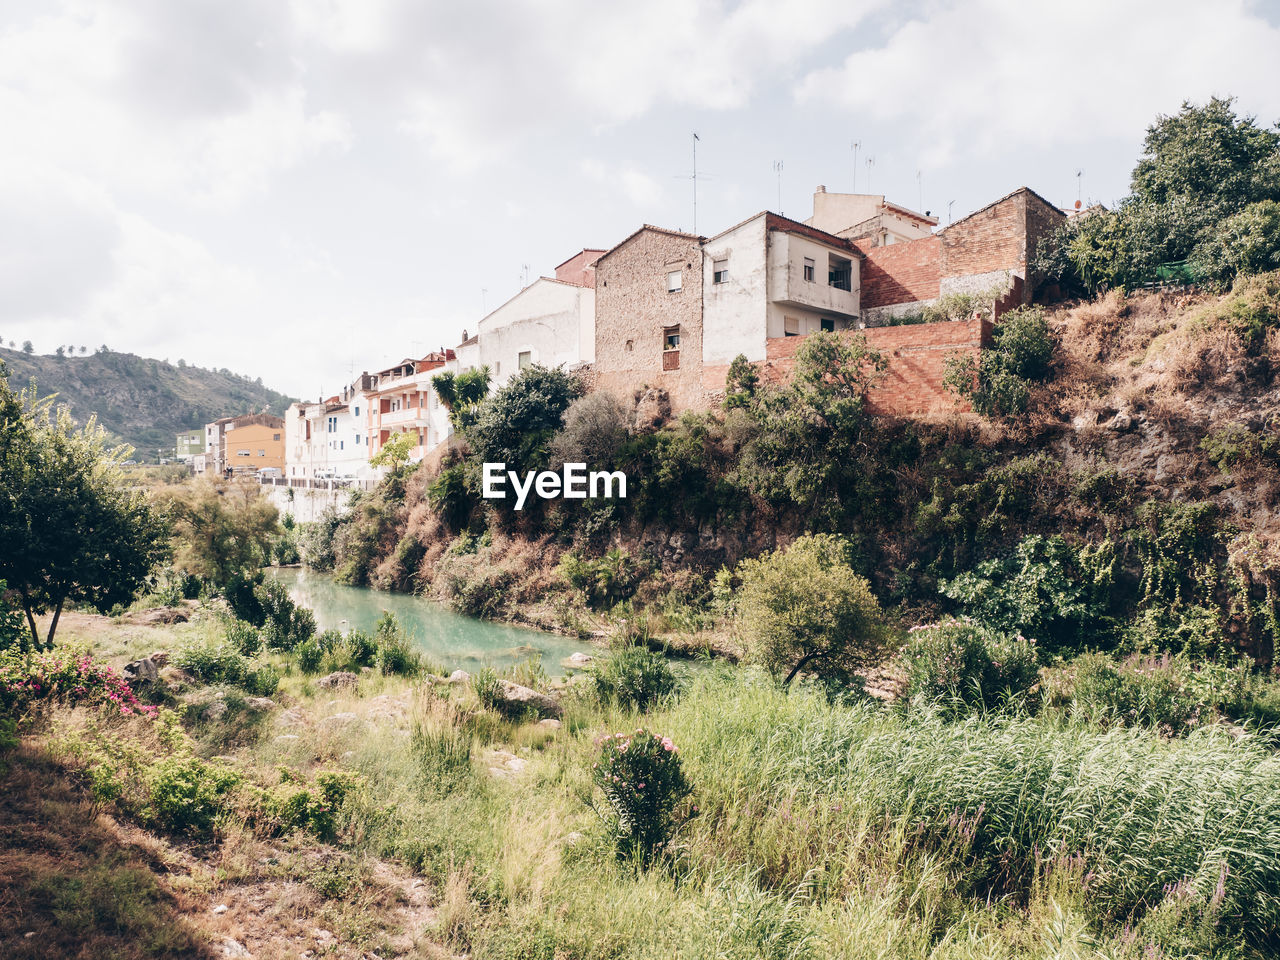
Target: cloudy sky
298, 189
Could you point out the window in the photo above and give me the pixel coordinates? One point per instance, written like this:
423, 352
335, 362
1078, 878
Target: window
275, 436
333, 424
674, 281
262, 453
242, 453
671, 338
840, 273
720, 271
790, 327
828, 325
524, 360
631, 345
808, 269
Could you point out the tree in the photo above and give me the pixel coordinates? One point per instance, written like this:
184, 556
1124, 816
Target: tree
803, 608
71, 528
61, 351
221, 533
394, 453
83, 349
514, 425
461, 394
740, 383
27, 347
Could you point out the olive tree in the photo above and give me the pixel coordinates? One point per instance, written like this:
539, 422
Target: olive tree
804, 609
71, 527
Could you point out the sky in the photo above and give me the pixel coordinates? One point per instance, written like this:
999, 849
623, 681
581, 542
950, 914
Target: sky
299, 190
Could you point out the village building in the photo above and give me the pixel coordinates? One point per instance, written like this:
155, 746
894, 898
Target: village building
550, 322
868, 217
190, 444
327, 440
648, 320
401, 399
769, 278
246, 444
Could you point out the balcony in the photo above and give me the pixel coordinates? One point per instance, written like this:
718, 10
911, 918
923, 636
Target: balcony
405, 417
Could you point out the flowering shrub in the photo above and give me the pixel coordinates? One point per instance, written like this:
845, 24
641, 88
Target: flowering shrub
966, 664
65, 677
642, 782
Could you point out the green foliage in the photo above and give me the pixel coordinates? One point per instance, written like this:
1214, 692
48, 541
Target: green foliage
1044, 588
293, 806
643, 782
188, 795
1177, 543
1193, 630
605, 581
395, 451
740, 383
359, 649
471, 584
804, 609
514, 425
220, 532
13, 632
315, 539
396, 653
1238, 446
999, 384
964, 665
72, 529
1245, 243
449, 496
635, 678
951, 306
595, 428
244, 637
223, 664
28, 681
461, 393
287, 624
485, 685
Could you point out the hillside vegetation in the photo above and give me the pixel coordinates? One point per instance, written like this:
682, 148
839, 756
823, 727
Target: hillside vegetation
141, 401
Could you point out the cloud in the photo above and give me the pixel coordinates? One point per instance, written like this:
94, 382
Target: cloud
977, 78
638, 187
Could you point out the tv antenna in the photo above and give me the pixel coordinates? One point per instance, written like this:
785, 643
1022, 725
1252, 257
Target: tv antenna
1079, 182
777, 168
694, 179
871, 162
855, 146
950, 204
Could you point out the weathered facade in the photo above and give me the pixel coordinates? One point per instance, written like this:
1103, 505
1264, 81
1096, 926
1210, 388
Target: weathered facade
648, 317
550, 322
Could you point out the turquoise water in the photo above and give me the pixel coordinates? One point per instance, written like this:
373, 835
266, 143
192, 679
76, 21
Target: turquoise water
450, 639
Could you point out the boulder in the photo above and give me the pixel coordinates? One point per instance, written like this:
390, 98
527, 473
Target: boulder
342, 678
512, 697
147, 669
158, 615
259, 704
578, 660
215, 710
550, 723
459, 676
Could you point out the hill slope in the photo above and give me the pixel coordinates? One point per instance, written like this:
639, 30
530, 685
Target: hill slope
144, 402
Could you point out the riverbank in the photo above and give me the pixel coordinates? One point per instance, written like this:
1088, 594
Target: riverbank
814, 829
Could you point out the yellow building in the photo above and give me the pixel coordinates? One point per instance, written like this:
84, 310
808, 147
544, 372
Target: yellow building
245, 444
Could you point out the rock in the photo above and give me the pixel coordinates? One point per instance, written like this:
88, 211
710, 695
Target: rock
459, 676
157, 615
258, 704
146, 670
233, 948
342, 678
1120, 423
340, 720
550, 723
512, 696
215, 710
578, 660
220, 909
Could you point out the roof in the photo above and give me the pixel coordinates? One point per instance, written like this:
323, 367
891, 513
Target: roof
781, 224
650, 227
1010, 194
578, 254
899, 208
523, 290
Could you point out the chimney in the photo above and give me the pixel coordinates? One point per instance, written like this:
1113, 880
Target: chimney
822, 188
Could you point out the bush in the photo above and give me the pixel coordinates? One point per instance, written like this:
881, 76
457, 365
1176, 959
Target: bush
396, 653
1044, 589
472, 585
804, 608
287, 623
12, 630
291, 806
310, 655
359, 649
642, 781
968, 664
63, 677
999, 383
244, 637
261, 681
595, 427
220, 663
187, 794
606, 580
634, 678
484, 684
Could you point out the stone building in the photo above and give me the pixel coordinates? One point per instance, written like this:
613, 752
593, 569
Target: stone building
648, 320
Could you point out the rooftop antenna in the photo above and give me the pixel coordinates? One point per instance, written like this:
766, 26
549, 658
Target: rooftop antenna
949, 205
524, 275
871, 162
1079, 181
777, 168
484, 310
695, 184
855, 146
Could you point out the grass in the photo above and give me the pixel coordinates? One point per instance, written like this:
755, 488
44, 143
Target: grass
820, 831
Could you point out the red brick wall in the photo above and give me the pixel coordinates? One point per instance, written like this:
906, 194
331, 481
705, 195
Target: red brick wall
989, 240
900, 272
917, 355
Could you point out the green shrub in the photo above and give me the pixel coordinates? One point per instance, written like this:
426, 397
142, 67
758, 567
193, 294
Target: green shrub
261, 680
443, 754
396, 653
605, 581
470, 584
634, 678
1140, 691
287, 624
244, 637
313, 809
220, 663
999, 382
803, 608
484, 684
1044, 589
359, 649
641, 778
310, 656
968, 664
1193, 630
187, 794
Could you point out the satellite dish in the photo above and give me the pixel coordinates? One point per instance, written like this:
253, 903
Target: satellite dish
1077, 204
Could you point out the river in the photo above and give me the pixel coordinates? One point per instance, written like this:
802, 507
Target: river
447, 638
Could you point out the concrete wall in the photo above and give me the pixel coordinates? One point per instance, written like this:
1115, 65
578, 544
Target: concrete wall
633, 309
735, 313
546, 319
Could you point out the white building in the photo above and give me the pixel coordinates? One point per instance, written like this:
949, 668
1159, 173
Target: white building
327, 439
550, 322
771, 277
868, 217
401, 399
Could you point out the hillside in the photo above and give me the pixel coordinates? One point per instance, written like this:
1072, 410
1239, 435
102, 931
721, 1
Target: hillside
142, 401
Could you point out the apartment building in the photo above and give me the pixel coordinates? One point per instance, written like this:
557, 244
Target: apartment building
190, 444
327, 439
868, 217
401, 399
770, 277
550, 322
243, 445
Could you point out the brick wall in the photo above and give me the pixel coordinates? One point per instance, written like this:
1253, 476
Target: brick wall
633, 308
900, 272
917, 355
